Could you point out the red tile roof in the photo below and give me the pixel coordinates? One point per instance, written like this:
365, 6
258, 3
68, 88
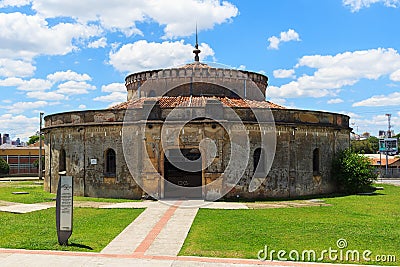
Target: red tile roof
197, 101
375, 161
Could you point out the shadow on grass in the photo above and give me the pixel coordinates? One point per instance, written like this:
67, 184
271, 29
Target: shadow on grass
309, 197
80, 246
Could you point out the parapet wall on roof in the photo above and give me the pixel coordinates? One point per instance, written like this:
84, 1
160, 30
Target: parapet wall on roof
288, 117
161, 81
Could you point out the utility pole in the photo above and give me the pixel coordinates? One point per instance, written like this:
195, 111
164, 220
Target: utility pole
389, 133
40, 146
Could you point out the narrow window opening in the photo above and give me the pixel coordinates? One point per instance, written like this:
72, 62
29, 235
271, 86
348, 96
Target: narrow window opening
110, 166
259, 161
316, 161
62, 161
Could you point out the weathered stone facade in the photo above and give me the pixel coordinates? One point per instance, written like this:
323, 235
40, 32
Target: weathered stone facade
306, 141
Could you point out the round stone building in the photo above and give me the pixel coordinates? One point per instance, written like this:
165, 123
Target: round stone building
195, 131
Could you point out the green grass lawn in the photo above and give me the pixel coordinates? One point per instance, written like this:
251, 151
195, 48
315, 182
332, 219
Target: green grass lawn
36, 192
366, 222
38, 195
93, 229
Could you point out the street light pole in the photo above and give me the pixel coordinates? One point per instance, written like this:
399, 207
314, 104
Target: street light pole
40, 146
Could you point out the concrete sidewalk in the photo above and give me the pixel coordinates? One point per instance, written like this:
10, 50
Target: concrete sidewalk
11, 258
19, 178
25, 208
162, 228
133, 235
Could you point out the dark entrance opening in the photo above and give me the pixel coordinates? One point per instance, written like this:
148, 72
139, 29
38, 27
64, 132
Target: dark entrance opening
182, 175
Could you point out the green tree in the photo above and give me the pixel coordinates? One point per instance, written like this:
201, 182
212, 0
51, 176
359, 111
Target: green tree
368, 146
353, 172
36, 163
374, 143
33, 139
4, 167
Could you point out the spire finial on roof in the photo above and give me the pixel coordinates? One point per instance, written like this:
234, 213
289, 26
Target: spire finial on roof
196, 51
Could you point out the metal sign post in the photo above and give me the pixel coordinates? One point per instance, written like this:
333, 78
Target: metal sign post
388, 146
64, 209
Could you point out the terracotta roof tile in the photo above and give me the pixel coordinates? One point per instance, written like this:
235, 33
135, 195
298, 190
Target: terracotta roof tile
375, 161
197, 101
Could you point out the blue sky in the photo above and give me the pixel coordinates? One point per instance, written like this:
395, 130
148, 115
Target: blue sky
331, 55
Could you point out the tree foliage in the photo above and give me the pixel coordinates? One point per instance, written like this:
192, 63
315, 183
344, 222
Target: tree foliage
4, 167
33, 139
368, 146
353, 172
36, 163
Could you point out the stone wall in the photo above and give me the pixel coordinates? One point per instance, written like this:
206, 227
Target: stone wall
85, 159
85, 136
247, 84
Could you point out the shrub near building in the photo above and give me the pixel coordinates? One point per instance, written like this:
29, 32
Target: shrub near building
4, 167
353, 172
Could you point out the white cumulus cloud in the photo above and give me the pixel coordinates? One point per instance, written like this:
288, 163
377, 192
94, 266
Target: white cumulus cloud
68, 75
117, 93
19, 125
45, 95
175, 15
16, 67
20, 107
334, 72
102, 42
289, 35
26, 36
27, 85
395, 76
115, 97
356, 5
392, 99
335, 101
114, 87
143, 55
282, 73
16, 3
75, 88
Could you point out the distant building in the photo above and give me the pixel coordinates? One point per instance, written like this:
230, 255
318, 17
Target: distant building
366, 135
393, 166
386, 134
1, 140
6, 139
16, 142
20, 159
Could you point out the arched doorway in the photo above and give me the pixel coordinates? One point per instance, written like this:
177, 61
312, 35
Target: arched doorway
178, 173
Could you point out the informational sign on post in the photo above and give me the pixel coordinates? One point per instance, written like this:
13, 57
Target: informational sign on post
389, 145
64, 209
